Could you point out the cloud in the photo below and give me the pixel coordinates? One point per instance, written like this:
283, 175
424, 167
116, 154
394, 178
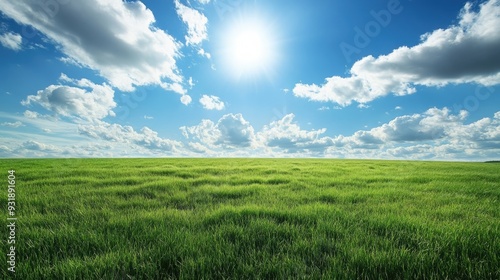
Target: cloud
235, 131
12, 124
31, 114
146, 137
37, 146
11, 41
61, 138
288, 136
65, 138
204, 1
175, 87
200, 149
38, 123
202, 52
34, 149
462, 53
206, 132
116, 38
482, 134
4, 151
87, 101
434, 124
196, 23
434, 134
231, 131
211, 102
186, 99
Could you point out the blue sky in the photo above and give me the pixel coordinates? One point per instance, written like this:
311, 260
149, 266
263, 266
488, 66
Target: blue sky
239, 78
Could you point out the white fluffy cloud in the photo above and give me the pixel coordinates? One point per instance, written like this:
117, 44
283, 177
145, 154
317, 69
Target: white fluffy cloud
211, 102
202, 52
235, 131
11, 41
89, 139
230, 132
434, 134
186, 99
37, 146
287, 135
481, 135
4, 151
146, 138
175, 87
434, 124
463, 53
116, 38
31, 114
12, 124
87, 101
196, 23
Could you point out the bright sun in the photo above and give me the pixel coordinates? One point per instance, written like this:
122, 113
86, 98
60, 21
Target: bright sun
249, 47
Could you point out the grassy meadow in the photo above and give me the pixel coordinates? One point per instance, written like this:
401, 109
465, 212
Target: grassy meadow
253, 219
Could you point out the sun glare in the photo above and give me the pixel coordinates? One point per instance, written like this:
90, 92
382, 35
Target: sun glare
249, 47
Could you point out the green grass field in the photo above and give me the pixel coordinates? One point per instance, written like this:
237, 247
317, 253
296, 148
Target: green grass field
253, 219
